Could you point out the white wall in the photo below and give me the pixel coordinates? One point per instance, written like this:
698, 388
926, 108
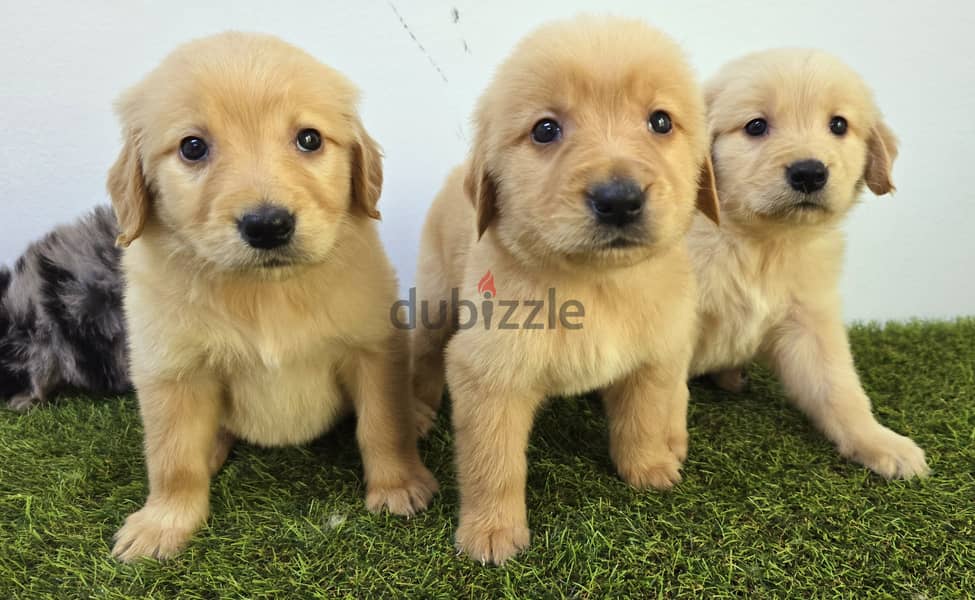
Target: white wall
63, 63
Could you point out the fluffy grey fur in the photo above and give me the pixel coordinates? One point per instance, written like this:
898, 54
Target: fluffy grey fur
61, 319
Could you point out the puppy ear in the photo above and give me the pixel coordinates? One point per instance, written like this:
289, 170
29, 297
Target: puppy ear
129, 192
707, 192
881, 152
481, 191
367, 172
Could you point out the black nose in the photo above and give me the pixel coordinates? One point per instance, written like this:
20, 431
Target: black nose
267, 227
807, 176
616, 202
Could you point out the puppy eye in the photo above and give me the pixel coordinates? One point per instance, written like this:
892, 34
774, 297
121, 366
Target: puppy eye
193, 149
546, 131
660, 122
308, 140
838, 125
756, 127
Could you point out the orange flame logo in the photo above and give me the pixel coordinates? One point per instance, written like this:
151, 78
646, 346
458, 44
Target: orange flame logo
486, 286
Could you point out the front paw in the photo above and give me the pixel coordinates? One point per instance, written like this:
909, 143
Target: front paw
405, 495
153, 532
889, 454
658, 470
24, 402
493, 545
731, 380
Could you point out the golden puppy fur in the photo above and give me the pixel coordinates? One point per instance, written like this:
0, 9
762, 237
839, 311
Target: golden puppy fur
271, 346
769, 277
523, 211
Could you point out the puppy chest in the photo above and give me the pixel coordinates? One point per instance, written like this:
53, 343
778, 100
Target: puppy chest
733, 325
584, 369
291, 403
271, 340
584, 360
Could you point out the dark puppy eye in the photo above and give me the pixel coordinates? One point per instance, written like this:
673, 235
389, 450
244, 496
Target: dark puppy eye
660, 122
308, 140
546, 131
838, 125
193, 148
756, 127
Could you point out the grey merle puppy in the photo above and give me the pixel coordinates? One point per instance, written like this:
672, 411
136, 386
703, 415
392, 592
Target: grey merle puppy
61, 319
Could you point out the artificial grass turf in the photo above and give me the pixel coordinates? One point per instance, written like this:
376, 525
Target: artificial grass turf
766, 508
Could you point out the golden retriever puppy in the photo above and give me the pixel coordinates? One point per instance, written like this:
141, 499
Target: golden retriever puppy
257, 291
580, 189
796, 137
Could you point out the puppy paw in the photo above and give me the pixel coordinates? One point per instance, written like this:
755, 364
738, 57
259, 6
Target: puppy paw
660, 472
491, 544
888, 454
152, 532
424, 416
731, 380
23, 402
406, 496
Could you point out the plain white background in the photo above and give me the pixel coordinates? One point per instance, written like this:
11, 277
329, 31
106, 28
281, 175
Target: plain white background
421, 66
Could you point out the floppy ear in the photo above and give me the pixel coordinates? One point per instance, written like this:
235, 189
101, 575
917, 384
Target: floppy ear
129, 192
707, 192
481, 191
881, 152
367, 172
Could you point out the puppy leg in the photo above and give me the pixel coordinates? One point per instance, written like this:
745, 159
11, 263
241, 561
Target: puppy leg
427, 375
647, 414
395, 476
677, 436
434, 325
811, 354
491, 432
44, 378
221, 449
181, 421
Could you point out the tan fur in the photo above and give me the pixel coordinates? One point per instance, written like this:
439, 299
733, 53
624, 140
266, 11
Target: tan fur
223, 345
519, 210
769, 277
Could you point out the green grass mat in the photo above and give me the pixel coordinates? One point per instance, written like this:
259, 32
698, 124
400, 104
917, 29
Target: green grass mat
766, 508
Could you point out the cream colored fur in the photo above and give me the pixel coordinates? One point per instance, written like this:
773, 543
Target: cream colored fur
223, 344
769, 277
519, 210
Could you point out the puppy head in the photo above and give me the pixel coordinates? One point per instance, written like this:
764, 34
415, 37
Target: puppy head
246, 152
796, 135
589, 145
